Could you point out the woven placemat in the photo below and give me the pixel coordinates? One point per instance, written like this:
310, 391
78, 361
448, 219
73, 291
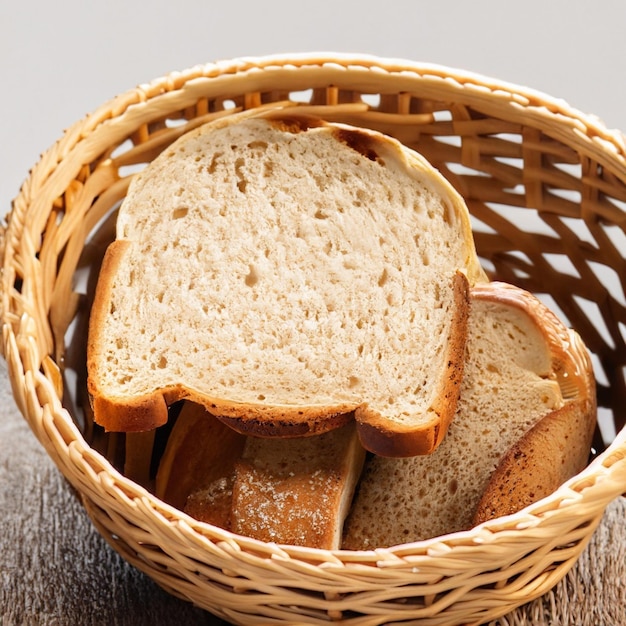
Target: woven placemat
56, 570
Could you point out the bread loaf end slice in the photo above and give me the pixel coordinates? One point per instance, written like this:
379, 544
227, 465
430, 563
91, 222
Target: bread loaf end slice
297, 491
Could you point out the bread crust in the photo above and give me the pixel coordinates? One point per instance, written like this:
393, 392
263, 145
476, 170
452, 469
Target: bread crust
275, 422
297, 492
200, 450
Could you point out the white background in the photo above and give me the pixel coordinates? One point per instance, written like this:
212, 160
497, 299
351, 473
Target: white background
61, 59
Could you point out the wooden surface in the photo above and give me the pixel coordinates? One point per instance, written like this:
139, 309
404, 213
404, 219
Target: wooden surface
55, 569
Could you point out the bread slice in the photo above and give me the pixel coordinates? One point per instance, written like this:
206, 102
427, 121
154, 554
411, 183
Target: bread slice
324, 269
553, 451
524, 371
292, 491
297, 491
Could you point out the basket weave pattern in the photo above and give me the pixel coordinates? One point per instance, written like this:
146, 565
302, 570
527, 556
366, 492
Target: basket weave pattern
546, 186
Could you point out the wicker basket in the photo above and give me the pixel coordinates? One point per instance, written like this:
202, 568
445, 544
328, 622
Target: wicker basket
547, 189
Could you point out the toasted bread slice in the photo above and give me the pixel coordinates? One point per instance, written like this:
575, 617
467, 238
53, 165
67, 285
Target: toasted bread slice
324, 269
524, 371
297, 491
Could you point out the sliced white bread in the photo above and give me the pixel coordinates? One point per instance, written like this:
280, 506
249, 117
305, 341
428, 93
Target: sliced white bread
323, 269
297, 491
527, 378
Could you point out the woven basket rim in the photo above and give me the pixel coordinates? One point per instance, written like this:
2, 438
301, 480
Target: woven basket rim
586, 125
568, 495
522, 94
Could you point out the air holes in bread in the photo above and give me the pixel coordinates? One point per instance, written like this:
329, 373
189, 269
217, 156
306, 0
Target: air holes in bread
252, 277
179, 213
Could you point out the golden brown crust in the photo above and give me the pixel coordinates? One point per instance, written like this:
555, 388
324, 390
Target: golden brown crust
386, 438
301, 423
377, 437
269, 420
212, 504
136, 415
297, 491
449, 396
570, 359
553, 451
101, 308
544, 319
